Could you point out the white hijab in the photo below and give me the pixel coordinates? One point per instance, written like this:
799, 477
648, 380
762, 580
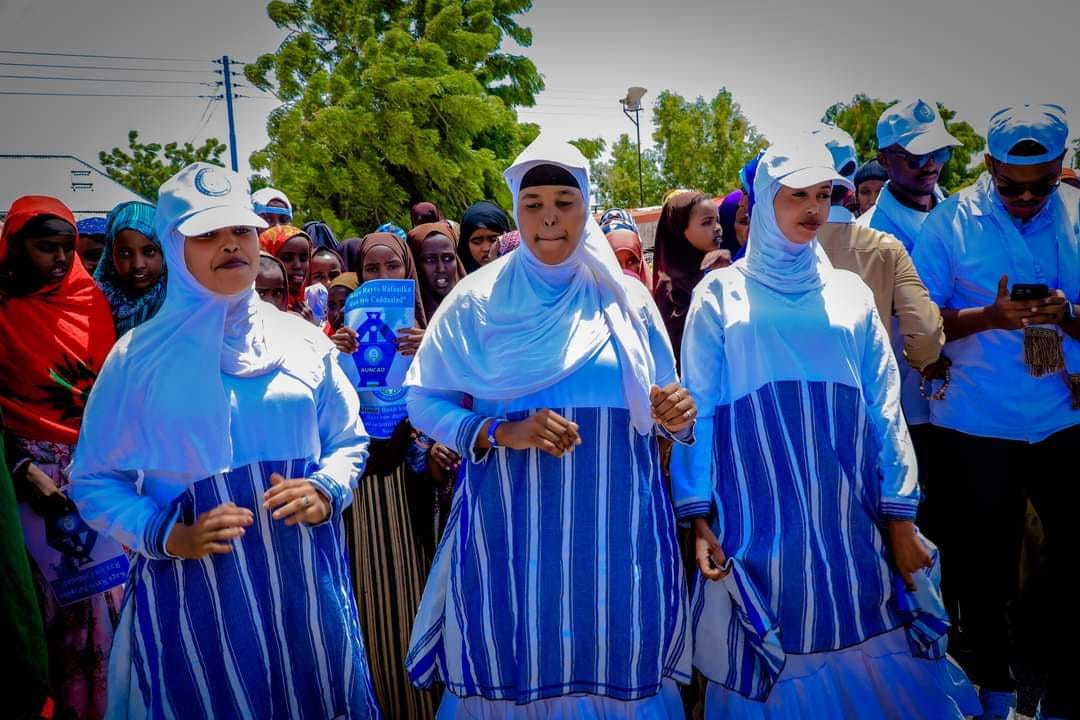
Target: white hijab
518, 325
159, 404
771, 258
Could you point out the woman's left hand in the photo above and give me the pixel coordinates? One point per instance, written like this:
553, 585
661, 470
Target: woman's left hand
295, 501
672, 407
909, 552
408, 341
444, 457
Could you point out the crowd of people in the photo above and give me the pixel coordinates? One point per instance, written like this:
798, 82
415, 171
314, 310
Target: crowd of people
781, 464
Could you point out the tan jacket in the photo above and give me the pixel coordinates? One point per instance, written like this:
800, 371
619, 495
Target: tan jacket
885, 266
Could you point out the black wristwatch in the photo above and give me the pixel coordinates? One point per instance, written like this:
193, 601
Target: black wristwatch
1070, 314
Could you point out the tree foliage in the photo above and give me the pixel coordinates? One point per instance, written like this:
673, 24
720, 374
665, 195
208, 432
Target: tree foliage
615, 182
702, 144
860, 117
145, 166
389, 102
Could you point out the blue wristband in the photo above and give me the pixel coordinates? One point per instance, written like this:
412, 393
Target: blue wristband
492, 427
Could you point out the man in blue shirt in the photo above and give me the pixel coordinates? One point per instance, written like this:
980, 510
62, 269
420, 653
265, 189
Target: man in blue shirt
1002, 261
913, 147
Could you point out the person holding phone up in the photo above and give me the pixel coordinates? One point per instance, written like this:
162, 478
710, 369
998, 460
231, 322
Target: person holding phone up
1001, 259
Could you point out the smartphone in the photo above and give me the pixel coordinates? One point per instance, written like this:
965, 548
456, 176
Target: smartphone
1036, 291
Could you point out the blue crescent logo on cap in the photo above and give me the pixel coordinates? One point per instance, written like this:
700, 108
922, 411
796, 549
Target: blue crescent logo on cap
212, 182
924, 113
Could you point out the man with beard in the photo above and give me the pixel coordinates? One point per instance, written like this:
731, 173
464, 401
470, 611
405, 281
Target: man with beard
913, 146
1001, 259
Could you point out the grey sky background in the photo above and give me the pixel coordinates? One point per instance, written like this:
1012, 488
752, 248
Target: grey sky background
785, 62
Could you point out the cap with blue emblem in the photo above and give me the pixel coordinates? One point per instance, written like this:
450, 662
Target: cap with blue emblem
207, 197
841, 146
916, 126
1044, 125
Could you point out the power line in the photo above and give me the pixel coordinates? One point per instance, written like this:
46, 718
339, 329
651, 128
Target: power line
113, 95
108, 80
103, 57
102, 67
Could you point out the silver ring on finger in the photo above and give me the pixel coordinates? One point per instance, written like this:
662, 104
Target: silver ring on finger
307, 501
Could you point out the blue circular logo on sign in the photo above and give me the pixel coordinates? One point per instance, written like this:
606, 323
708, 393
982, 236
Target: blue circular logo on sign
212, 182
390, 394
372, 355
924, 113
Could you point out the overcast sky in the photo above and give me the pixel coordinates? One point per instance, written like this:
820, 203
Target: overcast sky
785, 62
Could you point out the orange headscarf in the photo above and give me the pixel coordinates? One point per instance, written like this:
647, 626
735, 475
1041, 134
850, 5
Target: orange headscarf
272, 240
54, 341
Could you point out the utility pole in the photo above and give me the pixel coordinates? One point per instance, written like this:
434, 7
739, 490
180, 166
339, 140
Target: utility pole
226, 72
632, 104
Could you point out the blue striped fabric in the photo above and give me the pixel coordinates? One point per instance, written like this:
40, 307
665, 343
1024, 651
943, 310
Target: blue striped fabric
797, 489
267, 631
558, 576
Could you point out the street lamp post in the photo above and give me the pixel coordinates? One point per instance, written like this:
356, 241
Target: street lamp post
632, 104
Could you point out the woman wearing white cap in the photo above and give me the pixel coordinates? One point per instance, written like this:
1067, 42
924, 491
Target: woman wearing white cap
220, 445
802, 486
557, 590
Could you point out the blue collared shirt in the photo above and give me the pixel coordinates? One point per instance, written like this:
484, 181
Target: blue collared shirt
965, 246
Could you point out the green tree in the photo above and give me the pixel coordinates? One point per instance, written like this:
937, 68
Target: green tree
703, 144
591, 148
860, 117
615, 182
145, 166
388, 102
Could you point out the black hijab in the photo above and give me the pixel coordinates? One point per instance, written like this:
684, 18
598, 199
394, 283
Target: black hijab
485, 215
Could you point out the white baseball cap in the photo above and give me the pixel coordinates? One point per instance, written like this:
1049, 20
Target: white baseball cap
841, 146
203, 197
801, 164
1045, 125
264, 196
914, 125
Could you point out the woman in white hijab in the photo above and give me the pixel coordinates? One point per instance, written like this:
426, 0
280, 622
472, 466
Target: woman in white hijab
557, 589
816, 595
220, 444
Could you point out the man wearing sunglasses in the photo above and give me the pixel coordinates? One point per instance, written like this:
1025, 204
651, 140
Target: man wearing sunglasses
913, 147
913, 322
1002, 260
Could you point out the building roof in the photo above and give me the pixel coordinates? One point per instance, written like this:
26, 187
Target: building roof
83, 188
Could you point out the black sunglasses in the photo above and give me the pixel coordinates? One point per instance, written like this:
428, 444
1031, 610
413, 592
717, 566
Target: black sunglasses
918, 162
1013, 190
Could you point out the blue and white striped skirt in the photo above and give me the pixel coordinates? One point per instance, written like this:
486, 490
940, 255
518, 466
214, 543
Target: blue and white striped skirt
558, 577
267, 631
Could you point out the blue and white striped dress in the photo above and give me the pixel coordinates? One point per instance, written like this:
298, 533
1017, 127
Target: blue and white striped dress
555, 578
269, 630
809, 456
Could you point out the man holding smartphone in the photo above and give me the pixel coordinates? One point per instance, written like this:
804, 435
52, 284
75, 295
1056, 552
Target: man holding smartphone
1002, 261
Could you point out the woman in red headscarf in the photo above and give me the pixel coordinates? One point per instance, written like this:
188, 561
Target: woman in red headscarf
292, 247
56, 328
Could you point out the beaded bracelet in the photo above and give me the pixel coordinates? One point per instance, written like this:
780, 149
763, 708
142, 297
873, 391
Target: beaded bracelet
939, 394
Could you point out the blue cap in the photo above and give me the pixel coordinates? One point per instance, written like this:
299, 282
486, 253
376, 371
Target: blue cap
914, 125
1043, 124
841, 146
91, 226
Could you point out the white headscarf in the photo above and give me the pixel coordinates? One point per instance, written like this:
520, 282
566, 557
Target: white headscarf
518, 325
771, 258
159, 404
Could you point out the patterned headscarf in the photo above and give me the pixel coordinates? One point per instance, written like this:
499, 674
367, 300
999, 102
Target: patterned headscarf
129, 312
